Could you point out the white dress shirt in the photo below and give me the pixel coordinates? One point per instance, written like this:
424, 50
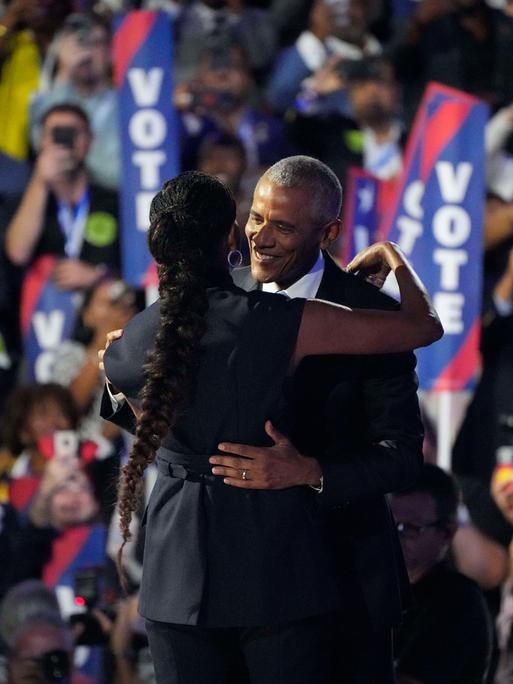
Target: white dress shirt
305, 287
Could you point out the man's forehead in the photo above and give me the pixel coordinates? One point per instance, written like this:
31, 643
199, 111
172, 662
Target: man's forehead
280, 198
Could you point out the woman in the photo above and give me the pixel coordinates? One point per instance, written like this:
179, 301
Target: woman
227, 569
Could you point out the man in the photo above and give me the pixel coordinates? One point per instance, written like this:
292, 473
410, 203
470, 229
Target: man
61, 212
446, 635
357, 417
83, 76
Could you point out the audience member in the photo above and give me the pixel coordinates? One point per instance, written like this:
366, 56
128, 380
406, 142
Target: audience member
26, 30
302, 76
78, 67
372, 137
62, 212
445, 638
216, 24
219, 98
223, 155
465, 44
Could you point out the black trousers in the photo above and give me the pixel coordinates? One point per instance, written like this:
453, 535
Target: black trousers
298, 652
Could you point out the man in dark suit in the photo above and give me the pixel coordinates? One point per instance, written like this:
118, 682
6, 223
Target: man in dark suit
358, 432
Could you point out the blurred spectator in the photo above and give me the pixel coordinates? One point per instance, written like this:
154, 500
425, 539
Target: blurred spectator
223, 155
32, 412
373, 137
26, 30
445, 638
80, 56
220, 98
465, 44
486, 435
108, 305
303, 74
14, 175
216, 24
499, 159
62, 212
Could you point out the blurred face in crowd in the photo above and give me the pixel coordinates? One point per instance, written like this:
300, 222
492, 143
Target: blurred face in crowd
374, 101
73, 502
111, 303
284, 239
225, 71
424, 539
226, 163
44, 417
31, 645
81, 134
92, 50
347, 19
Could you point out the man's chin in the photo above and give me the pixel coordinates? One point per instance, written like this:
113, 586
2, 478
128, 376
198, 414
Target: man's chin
262, 274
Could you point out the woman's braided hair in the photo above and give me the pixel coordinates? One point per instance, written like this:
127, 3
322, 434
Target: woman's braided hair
190, 219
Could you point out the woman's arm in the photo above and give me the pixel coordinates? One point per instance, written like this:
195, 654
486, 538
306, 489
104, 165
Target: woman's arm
330, 329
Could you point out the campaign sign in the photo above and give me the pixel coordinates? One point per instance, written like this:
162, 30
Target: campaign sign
437, 219
149, 127
366, 199
48, 316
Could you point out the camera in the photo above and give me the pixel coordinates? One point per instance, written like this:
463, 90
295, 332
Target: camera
64, 135
56, 667
87, 595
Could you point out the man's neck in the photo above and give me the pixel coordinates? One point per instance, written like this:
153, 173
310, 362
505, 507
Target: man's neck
72, 187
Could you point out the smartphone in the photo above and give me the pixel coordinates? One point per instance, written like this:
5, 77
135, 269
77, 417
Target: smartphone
64, 135
87, 586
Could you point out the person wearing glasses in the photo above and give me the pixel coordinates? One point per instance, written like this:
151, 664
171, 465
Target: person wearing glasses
446, 635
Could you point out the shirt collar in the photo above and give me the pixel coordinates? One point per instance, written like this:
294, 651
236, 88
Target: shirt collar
306, 286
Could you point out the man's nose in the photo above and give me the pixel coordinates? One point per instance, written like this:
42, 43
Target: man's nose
263, 236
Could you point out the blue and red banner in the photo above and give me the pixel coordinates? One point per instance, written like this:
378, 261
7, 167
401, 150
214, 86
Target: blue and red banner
143, 67
437, 219
367, 196
48, 317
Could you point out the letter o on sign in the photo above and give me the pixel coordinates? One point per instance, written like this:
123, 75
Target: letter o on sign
451, 226
147, 128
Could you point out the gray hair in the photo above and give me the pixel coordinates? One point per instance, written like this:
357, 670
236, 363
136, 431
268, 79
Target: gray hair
323, 191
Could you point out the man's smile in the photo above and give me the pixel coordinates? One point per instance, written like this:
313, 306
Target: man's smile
261, 256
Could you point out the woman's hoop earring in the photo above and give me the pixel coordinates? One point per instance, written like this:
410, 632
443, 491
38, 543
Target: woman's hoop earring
235, 254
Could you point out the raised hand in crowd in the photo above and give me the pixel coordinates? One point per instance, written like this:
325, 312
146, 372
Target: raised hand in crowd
72, 274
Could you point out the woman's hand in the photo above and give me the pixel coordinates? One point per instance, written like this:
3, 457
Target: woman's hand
375, 262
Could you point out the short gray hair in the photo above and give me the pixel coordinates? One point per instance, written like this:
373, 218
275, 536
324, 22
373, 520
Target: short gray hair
323, 191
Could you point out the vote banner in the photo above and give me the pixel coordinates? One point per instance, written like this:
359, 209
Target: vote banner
437, 219
143, 67
48, 316
366, 197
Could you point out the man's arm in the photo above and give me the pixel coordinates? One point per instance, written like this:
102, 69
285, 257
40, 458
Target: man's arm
389, 458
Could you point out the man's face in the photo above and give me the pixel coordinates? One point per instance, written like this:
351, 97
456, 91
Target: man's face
423, 541
81, 137
284, 239
374, 101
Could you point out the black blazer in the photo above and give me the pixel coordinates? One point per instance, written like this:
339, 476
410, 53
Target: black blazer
359, 416
219, 556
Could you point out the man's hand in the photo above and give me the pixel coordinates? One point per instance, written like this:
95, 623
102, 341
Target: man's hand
71, 274
54, 163
276, 467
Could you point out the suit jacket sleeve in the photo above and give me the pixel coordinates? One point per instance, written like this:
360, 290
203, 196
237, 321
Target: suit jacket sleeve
390, 456
122, 416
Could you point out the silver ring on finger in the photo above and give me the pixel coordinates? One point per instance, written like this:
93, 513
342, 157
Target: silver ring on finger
244, 474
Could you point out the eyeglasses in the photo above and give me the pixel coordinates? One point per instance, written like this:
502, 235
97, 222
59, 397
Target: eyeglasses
411, 531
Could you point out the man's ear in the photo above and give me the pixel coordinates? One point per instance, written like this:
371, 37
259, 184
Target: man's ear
234, 236
330, 233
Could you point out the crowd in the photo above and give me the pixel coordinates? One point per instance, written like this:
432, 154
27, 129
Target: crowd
255, 81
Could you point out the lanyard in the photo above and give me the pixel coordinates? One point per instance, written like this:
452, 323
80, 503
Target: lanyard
72, 222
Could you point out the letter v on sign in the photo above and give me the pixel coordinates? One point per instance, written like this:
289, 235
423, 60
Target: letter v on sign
145, 85
453, 180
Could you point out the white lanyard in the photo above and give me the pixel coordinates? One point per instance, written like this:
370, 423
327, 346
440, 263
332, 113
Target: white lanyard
73, 222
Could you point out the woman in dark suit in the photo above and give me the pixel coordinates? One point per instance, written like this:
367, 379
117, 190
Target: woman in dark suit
230, 570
